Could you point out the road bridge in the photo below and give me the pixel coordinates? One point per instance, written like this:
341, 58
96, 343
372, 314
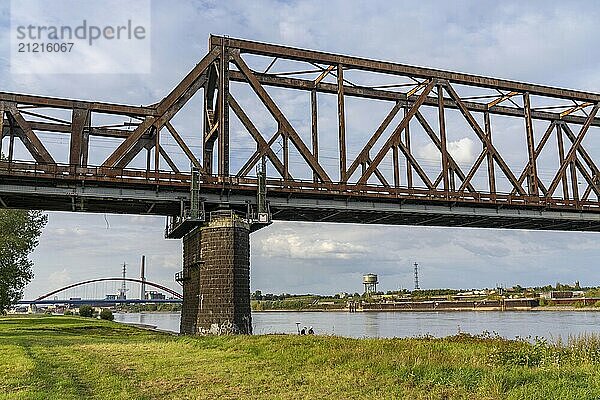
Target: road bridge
119, 279
49, 298
98, 302
535, 165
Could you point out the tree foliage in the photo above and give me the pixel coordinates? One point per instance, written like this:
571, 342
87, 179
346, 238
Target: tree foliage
19, 233
86, 311
106, 314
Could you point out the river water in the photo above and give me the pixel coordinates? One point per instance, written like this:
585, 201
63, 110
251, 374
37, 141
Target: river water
508, 324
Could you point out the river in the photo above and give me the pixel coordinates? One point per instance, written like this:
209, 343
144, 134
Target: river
508, 324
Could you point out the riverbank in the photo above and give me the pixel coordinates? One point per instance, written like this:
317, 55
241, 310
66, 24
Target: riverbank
450, 310
73, 358
566, 308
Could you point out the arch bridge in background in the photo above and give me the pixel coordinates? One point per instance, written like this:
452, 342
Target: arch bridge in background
156, 285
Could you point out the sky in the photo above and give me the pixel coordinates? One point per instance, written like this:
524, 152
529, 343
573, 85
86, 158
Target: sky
547, 42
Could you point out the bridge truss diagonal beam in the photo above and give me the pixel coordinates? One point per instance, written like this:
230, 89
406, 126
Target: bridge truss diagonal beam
166, 109
33, 144
394, 139
288, 130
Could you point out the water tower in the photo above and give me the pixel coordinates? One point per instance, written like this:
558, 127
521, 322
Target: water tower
370, 282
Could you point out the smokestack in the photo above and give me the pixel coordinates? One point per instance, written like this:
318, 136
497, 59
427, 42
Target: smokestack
143, 278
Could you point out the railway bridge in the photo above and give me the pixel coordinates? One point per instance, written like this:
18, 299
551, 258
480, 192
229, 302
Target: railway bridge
282, 134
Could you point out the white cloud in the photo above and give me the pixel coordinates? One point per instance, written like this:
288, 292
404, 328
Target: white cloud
307, 247
462, 150
58, 279
165, 261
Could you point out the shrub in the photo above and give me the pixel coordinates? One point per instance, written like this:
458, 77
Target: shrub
106, 314
68, 312
543, 302
86, 311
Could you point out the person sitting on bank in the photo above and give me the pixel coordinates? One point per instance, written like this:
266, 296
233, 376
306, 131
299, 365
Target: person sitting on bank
311, 331
303, 331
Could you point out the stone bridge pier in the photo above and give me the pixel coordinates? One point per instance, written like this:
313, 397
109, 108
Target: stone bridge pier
216, 271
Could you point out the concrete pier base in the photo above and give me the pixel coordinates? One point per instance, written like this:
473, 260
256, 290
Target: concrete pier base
216, 270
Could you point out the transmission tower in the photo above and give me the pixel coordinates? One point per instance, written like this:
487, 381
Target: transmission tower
123, 289
417, 276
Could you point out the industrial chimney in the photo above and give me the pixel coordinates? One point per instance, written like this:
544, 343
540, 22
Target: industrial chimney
143, 278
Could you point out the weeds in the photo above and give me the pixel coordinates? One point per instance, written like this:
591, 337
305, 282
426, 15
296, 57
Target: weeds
577, 349
72, 358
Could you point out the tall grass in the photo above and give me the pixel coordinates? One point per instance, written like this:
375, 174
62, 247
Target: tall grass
74, 358
584, 347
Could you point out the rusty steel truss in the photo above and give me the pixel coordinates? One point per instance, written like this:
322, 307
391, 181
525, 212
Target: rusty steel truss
382, 180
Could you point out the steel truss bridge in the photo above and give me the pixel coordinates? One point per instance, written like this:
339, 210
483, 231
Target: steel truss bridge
377, 177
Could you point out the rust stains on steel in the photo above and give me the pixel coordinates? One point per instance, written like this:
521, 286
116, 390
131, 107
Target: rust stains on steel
285, 52
490, 180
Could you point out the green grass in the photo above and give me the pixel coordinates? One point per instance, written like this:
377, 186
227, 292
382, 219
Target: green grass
78, 358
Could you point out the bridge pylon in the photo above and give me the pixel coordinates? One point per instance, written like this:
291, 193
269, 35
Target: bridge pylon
216, 262
216, 276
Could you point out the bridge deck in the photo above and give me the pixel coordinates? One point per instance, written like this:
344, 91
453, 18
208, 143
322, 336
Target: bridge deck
65, 188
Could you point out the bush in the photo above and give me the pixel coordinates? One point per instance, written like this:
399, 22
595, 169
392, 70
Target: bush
106, 314
86, 311
68, 312
543, 302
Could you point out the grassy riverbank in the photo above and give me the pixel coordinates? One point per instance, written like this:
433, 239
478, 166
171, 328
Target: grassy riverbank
75, 358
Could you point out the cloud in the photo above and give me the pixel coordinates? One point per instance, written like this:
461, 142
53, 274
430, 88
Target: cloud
58, 279
171, 262
462, 150
308, 248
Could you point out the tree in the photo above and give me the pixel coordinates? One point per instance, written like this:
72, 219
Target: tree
19, 233
106, 314
86, 311
257, 295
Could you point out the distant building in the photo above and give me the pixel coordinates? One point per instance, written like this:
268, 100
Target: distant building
152, 295
558, 294
19, 310
563, 294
